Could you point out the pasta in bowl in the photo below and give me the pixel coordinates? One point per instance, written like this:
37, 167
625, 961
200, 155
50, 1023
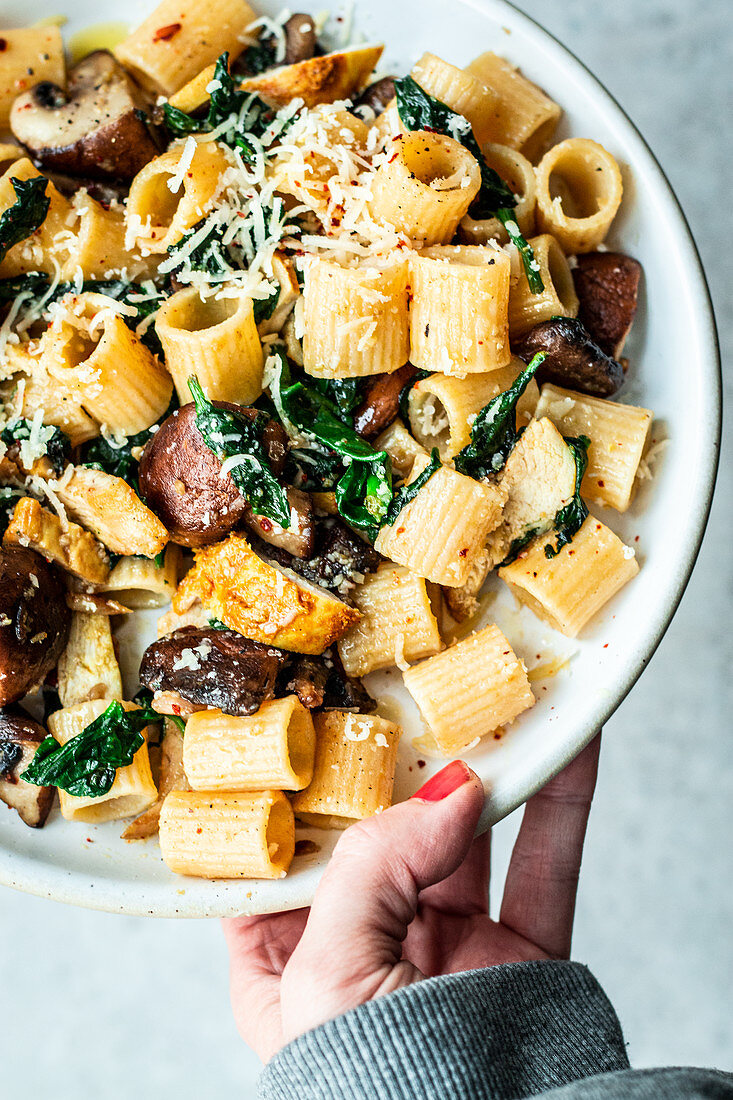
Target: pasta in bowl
331, 363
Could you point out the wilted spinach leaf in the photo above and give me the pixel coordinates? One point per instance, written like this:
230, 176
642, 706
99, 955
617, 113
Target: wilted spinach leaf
494, 430
228, 434
571, 518
56, 442
87, 764
26, 214
363, 486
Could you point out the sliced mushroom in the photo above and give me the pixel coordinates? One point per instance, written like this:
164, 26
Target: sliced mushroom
378, 95
322, 682
34, 621
180, 478
607, 285
94, 128
20, 737
340, 561
300, 38
305, 676
298, 539
573, 359
343, 692
218, 668
382, 401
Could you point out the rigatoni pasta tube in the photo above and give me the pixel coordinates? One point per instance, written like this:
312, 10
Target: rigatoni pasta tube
211, 834
566, 591
397, 622
425, 187
61, 405
442, 408
579, 191
470, 690
460, 91
140, 583
172, 193
272, 748
618, 436
47, 248
355, 319
31, 55
98, 246
442, 530
558, 299
181, 37
524, 117
458, 309
133, 789
91, 350
518, 173
354, 769
217, 340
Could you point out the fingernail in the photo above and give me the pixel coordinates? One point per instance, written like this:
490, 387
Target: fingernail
444, 782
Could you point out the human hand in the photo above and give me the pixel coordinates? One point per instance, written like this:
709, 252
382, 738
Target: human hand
406, 896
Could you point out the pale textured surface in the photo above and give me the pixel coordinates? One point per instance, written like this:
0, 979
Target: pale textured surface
655, 915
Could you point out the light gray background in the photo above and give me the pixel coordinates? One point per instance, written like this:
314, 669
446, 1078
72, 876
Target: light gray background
85, 993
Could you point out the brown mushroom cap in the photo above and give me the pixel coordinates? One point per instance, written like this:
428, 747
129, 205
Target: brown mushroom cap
180, 478
93, 129
300, 38
382, 401
377, 96
607, 285
217, 668
20, 737
573, 359
34, 621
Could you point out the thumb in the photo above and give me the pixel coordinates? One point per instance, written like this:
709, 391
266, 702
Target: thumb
351, 949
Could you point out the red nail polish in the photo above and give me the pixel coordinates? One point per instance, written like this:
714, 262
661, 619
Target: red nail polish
444, 782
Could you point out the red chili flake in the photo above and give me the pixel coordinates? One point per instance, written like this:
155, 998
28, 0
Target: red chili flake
163, 34
636, 539
3, 45
606, 646
265, 524
393, 157
421, 763
175, 708
462, 553
89, 840
601, 484
199, 830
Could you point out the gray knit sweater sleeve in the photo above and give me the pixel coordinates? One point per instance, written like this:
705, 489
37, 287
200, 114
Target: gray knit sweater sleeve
523, 1029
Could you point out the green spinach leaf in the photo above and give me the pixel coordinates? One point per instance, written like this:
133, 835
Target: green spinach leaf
406, 493
228, 435
248, 116
420, 111
364, 486
571, 518
87, 764
26, 214
57, 443
494, 430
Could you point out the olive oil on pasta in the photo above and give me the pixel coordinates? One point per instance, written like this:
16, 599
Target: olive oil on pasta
100, 36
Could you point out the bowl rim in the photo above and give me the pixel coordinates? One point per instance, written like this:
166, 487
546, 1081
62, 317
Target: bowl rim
75, 889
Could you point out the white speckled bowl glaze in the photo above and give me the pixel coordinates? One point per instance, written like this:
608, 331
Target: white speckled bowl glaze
675, 371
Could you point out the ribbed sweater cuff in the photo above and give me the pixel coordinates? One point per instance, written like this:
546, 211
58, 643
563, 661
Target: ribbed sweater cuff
495, 1034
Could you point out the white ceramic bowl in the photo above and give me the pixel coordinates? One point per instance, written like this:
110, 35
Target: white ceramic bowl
675, 371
